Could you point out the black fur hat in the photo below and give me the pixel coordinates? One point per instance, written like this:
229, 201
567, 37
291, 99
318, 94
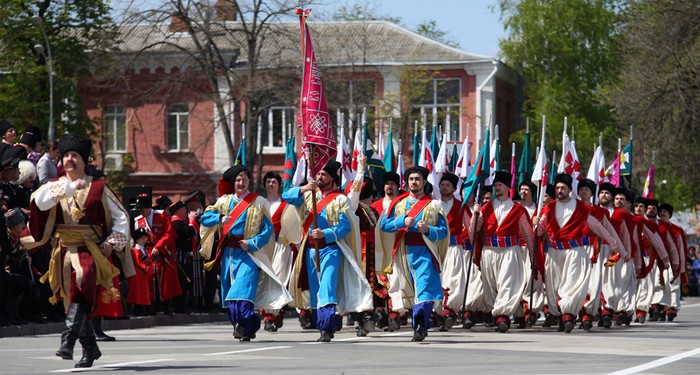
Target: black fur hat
77, 143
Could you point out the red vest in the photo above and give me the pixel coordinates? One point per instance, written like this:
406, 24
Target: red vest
454, 219
573, 229
510, 226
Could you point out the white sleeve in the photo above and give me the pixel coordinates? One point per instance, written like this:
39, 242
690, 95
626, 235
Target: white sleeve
49, 194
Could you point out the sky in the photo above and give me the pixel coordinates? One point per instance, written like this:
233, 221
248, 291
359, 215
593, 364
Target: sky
471, 23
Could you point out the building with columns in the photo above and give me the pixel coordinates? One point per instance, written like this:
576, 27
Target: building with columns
158, 115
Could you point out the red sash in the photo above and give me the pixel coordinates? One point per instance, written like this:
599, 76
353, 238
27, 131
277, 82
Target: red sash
320, 206
277, 218
413, 212
235, 214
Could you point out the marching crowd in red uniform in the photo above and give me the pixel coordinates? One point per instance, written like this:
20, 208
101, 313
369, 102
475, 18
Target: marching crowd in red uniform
615, 261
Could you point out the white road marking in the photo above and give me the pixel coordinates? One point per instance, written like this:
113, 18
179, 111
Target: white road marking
657, 363
123, 364
397, 334
353, 338
249, 350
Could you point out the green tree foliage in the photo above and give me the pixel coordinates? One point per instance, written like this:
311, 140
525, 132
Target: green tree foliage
430, 29
362, 11
659, 93
565, 51
80, 34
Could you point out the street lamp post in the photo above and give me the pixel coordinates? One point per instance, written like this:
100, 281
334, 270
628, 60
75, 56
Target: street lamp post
49, 59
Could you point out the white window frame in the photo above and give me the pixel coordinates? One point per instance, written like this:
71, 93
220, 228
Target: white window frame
269, 137
110, 121
178, 131
427, 108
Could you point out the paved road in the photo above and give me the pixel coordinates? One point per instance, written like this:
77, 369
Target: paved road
652, 348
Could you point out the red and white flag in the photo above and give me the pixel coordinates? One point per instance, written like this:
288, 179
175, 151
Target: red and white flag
463, 163
401, 170
427, 160
345, 159
316, 129
540, 174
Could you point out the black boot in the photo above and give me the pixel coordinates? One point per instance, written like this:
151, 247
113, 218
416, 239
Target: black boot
75, 317
90, 350
99, 334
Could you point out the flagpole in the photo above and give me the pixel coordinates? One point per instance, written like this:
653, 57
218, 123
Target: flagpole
540, 199
302, 15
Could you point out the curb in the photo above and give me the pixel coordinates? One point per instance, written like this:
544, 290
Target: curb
33, 329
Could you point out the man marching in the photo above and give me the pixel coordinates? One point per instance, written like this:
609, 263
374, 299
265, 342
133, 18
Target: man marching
454, 272
502, 263
247, 279
283, 255
88, 222
339, 285
568, 266
655, 257
678, 237
420, 230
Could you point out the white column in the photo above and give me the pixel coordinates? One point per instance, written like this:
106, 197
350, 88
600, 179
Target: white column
221, 155
392, 90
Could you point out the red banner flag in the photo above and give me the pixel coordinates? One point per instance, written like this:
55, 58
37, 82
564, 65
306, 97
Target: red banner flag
315, 121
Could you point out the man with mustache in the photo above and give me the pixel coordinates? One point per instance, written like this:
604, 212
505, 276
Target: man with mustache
597, 251
612, 277
417, 230
501, 260
337, 241
90, 223
283, 254
391, 190
454, 271
247, 278
568, 266
392, 185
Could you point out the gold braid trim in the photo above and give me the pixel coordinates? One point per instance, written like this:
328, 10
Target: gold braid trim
77, 237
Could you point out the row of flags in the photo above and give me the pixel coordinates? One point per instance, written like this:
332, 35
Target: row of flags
320, 146
457, 160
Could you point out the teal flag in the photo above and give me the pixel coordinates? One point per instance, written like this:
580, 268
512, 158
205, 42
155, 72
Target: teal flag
290, 165
389, 159
626, 162
240, 156
480, 171
434, 143
416, 150
453, 160
526, 163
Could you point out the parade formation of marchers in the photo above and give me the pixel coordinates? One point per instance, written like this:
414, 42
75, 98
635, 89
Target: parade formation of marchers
453, 248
